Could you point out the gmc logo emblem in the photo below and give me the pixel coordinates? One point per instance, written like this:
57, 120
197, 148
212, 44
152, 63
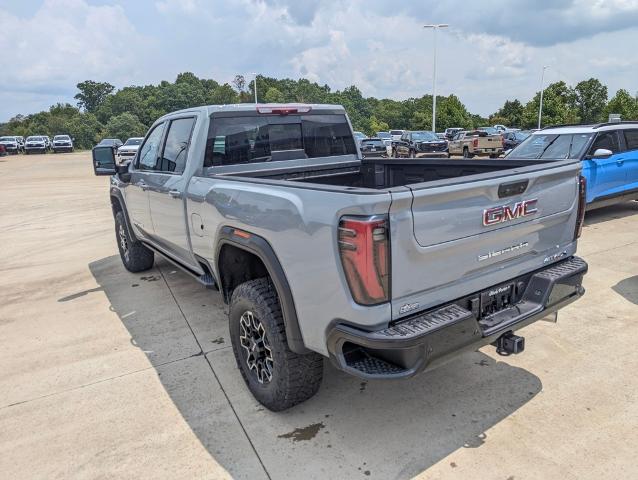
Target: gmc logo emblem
495, 215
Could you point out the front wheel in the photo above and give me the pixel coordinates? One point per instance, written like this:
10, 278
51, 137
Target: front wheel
276, 376
135, 256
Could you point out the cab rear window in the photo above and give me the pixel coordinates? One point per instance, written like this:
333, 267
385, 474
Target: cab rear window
263, 138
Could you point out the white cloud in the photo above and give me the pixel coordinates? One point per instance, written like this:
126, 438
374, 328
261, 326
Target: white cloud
489, 54
67, 41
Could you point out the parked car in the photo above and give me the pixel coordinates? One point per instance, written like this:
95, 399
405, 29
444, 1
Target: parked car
47, 140
62, 143
35, 144
11, 144
396, 134
358, 136
451, 132
128, 150
413, 261
387, 140
608, 153
373, 147
513, 138
489, 130
3, 150
111, 142
501, 128
20, 142
476, 143
420, 144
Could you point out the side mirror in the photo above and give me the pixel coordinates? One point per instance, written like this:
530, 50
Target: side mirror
602, 153
104, 160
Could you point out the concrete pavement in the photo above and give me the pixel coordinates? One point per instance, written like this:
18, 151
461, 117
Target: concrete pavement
108, 374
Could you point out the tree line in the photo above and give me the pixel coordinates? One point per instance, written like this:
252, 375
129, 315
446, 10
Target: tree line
103, 112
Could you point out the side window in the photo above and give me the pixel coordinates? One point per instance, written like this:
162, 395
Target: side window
176, 146
631, 139
149, 151
606, 140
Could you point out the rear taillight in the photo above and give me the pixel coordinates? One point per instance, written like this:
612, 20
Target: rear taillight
364, 249
475, 143
582, 187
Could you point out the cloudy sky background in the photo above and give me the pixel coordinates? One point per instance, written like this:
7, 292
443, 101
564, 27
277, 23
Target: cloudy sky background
492, 51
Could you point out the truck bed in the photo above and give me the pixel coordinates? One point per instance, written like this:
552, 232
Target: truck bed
383, 173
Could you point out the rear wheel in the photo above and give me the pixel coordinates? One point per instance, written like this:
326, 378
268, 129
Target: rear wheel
276, 376
135, 256
412, 154
466, 153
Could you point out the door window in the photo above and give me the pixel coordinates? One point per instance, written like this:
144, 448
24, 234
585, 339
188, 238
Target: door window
173, 157
149, 151
606, 140
631, 139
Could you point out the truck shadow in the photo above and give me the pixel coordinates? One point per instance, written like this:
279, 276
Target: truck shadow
374, 429
612, 212
628, 289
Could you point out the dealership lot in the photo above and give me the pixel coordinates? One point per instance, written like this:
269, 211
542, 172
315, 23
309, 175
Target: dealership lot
111, 374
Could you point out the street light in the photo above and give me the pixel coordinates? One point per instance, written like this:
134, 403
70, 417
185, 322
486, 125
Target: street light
435, 27
255, 85
540, 107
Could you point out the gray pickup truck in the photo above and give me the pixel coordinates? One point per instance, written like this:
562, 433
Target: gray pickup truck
388, 267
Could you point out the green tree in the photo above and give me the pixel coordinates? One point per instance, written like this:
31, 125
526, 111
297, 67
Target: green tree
558, 107
510, 114
91, 94
590, 98
622, 103
124, 126
273, 95
85, 129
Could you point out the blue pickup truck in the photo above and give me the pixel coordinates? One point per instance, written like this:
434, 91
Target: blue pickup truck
608, 151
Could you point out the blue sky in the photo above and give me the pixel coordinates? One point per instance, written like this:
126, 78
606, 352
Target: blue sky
493, 50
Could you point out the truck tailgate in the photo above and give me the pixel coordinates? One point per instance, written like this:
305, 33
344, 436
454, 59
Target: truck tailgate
470, 235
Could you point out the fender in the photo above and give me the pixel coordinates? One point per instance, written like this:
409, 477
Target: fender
261, 248
117, 195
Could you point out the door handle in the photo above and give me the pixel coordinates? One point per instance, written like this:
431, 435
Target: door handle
620, 161
142, 184
175, 194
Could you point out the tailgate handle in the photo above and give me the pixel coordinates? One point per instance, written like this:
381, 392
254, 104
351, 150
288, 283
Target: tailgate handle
512, 188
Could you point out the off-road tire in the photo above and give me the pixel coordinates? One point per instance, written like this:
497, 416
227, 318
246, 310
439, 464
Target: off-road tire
135, 256
466, 153
295, 378
412, 154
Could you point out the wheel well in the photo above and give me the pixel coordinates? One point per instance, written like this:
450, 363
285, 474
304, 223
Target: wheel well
115, 204
237, 266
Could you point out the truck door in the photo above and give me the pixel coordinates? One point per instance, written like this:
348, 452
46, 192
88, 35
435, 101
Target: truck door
137, 192
631, 158
606, 175
165, 190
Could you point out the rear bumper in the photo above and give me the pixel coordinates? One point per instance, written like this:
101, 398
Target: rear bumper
62, 147
441, 154
428, 339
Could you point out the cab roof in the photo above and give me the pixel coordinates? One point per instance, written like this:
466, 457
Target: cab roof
598, 127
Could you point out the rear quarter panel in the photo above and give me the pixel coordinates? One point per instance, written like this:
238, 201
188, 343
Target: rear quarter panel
300, 224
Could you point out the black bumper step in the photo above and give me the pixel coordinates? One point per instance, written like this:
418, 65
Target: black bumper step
426, 323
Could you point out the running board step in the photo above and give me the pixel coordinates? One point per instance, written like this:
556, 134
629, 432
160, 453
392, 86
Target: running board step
207, 280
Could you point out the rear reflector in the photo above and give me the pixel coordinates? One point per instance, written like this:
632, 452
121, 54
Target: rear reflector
283, 109
475, 143
365, 256
582, 188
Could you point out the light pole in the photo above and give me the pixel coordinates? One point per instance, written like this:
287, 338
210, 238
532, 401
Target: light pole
540, 107
255, 85
435, 27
